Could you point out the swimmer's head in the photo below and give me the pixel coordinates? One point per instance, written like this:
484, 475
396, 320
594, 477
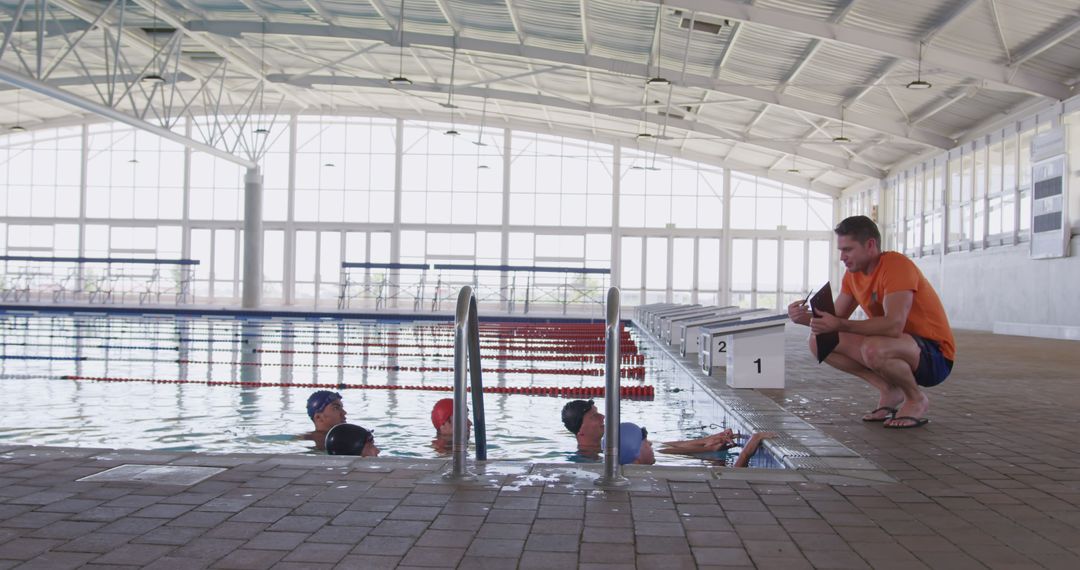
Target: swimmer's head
582, 419
350, 439
634, 445
442, 414
325, 409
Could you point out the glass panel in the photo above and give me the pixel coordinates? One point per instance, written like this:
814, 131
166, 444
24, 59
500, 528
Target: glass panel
708, 264
818, 264
630, 263
766, 265
683, 264
305, 264
742, 264
793, 266
656, 263
225, 265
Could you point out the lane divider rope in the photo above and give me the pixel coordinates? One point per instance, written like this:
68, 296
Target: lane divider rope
634, 392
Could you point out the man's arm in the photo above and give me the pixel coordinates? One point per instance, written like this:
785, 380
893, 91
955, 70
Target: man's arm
897, 306
705, 444
799, 311
751, 447
726, 436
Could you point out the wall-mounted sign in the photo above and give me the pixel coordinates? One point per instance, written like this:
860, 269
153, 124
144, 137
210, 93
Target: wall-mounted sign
1049, 191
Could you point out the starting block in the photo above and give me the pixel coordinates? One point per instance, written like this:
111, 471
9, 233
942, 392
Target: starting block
687, 333
752, 351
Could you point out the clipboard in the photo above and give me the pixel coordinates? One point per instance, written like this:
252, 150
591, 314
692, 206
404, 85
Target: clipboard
822, 302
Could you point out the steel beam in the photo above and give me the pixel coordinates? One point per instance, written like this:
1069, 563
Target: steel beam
615, 67
622, 113
110, 113
874, 40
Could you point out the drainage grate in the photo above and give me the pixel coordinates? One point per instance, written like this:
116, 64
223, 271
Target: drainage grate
159, 474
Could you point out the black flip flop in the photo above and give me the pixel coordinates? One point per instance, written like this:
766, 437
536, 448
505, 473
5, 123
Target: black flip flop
892, 412
919, 422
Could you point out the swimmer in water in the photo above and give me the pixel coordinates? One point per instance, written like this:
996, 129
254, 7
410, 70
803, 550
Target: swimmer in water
326, 411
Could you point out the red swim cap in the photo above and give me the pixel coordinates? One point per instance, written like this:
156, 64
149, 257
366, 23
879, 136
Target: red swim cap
443, 410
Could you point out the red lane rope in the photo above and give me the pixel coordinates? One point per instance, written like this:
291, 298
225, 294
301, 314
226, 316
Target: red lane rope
630, 372
590, 358
576, 347
635, 392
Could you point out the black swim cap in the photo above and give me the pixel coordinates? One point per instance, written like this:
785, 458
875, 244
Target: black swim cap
347, 439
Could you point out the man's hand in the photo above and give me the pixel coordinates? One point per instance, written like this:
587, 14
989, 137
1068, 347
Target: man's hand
798, 313
825, 323
720, 440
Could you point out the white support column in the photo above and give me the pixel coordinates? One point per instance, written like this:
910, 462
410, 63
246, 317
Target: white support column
669, 293
1015, 131
725, 243
616, 227
185, 208
834, 267
504, 230
84, 159
288, 286
694, 278
253, 239
399, 151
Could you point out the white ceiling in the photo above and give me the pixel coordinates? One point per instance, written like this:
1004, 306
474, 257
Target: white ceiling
758, 86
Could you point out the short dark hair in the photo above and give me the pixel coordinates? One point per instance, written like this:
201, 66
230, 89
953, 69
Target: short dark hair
861, 228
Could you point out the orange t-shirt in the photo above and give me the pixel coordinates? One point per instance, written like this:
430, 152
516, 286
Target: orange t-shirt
895, 272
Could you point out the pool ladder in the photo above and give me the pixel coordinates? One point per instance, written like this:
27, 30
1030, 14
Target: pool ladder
612, 477
467, 361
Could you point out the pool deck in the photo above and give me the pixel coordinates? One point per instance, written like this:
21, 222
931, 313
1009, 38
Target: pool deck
992, 482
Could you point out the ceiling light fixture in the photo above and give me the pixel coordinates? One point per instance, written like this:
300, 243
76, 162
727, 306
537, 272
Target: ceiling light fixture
17, 127
153, 78
919, 83
793, 169
260, 129
450, 91
134, 146
658, 80
483, 117
401, 80
841, 138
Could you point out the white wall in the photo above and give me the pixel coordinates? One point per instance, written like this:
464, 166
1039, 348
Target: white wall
1004, 291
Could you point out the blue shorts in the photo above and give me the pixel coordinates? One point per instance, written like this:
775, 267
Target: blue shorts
934, 368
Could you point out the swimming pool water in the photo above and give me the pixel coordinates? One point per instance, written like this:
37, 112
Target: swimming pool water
41, 405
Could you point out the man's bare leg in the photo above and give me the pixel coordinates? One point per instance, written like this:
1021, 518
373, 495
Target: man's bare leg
896, 360
847, 357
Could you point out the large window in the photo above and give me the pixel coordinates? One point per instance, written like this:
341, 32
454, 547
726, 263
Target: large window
982, 189
557, 181
362, 189
40, 174
450, 179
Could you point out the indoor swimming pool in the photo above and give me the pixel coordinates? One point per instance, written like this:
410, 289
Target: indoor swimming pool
227, 384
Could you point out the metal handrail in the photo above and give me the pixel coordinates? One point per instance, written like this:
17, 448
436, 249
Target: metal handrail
467, 359
612, 476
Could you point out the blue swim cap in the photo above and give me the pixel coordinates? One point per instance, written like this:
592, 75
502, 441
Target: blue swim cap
318, 401
630, 439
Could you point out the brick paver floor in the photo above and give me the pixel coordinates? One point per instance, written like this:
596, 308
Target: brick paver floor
992, 482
